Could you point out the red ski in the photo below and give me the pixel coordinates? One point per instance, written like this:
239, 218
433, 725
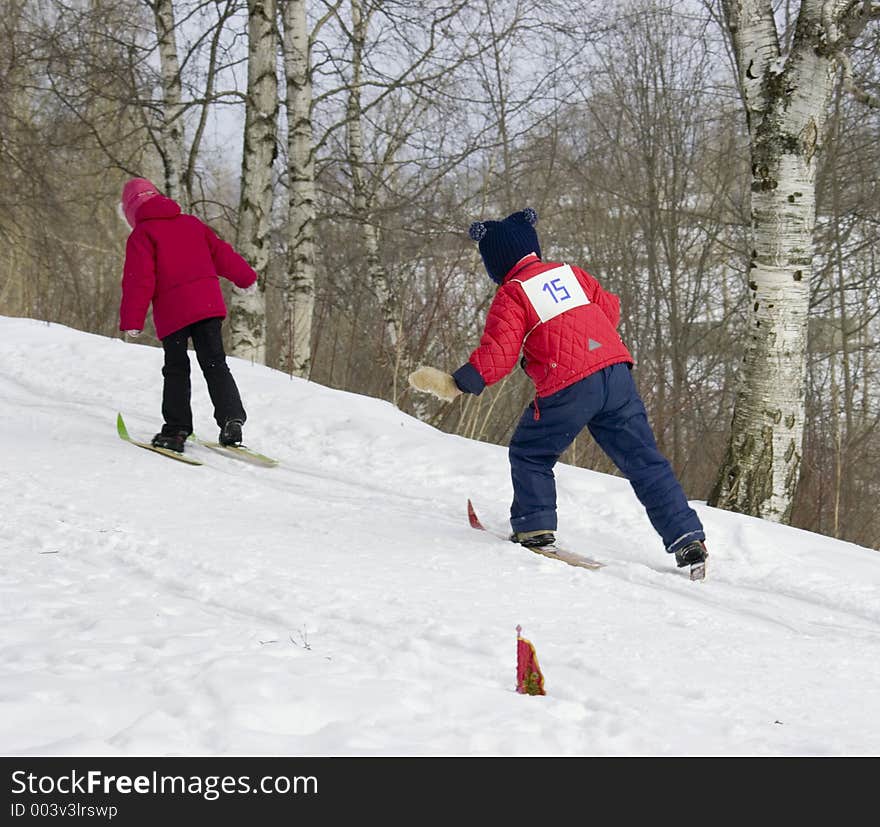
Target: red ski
554, 552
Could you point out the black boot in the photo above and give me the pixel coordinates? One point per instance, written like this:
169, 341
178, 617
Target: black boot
230, 433
691, 553
171, 439
533, 539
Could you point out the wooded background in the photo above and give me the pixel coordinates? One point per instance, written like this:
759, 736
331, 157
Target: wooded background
345, 147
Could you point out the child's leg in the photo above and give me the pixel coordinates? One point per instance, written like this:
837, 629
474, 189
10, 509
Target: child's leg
208, 342
537, 444
623, 432
176, 388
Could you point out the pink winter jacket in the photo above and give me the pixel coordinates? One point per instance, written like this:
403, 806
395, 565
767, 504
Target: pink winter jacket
174, 261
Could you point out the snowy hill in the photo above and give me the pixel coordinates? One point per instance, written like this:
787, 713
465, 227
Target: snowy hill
340, 604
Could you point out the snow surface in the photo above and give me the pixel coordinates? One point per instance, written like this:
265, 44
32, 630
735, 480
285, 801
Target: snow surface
340, 604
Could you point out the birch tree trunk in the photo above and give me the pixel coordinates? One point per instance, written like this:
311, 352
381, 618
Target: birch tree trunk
172, 146
377, 276
247, 314
786, 98
299, 286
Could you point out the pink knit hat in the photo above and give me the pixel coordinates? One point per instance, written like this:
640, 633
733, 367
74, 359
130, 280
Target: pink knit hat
134, 193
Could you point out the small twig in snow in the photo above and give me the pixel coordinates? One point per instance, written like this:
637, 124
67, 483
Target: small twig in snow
303, 634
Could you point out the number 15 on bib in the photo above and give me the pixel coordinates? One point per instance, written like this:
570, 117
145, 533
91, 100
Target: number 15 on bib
555, 292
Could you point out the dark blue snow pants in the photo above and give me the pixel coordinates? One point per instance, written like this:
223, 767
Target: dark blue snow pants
608, 403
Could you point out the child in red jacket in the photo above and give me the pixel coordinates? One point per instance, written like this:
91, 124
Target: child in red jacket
565, 325
174, 261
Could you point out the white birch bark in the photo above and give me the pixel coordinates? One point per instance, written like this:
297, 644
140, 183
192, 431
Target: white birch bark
299, 287
172, 142
247, 314
786, 100
377, 276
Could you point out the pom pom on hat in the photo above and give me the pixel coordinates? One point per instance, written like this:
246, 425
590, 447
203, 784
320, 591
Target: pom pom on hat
477, 230
530, 215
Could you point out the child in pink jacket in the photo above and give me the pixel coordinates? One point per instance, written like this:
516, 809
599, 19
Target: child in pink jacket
173, 261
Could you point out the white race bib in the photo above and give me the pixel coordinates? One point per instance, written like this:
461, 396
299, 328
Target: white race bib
554, 292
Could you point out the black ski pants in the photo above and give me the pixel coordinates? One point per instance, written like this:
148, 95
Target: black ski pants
208, 343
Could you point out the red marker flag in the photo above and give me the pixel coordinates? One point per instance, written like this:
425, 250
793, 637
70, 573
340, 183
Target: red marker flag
529, 680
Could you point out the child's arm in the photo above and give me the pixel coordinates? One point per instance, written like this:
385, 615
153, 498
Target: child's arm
607, 302
138, 282
500, 345
229, 263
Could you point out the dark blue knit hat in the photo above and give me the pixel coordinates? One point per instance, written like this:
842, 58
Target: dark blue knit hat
504, 243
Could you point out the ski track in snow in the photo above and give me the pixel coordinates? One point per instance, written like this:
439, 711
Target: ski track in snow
340, 604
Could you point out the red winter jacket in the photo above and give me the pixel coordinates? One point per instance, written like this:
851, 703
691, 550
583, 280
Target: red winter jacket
174, 260
562, 320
